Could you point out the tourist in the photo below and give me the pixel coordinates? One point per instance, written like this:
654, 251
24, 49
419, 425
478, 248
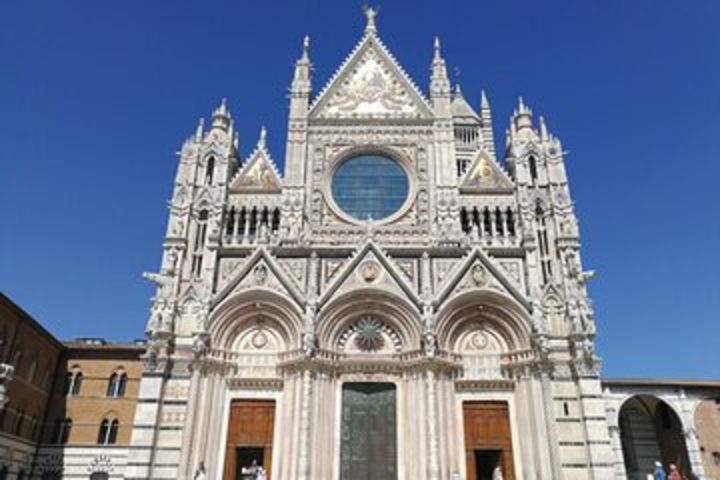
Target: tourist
659, 473
675, 473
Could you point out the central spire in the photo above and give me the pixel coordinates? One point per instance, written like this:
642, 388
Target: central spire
370, 13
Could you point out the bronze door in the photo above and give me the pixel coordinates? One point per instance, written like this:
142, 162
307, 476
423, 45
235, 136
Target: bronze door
368, 446
488, 444
250, 436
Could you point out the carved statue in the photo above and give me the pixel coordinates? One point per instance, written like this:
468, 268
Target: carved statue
163, 282
200, 345
429, 343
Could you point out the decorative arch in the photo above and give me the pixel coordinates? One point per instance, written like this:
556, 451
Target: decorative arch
399, 319
651, 429
506, 323
241, 317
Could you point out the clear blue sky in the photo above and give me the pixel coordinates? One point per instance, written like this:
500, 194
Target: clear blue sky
96, 97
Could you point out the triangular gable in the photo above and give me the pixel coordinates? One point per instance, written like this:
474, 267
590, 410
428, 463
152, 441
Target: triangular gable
261, 270
370, 84
259, 173
484, 175
370, 267
479, 272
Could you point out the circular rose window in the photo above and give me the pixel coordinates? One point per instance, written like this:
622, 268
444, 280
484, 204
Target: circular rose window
370, 187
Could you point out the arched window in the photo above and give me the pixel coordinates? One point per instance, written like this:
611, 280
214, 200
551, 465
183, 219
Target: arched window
107, 435
73, 382
3, 472
21, 475
103, 432
113, 432
199, 244
17, 358
99, 476
63, 429
533, 170
19, 417
32, 369
209, 170
116, 384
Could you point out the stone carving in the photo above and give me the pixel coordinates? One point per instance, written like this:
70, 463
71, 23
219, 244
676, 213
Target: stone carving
101, 463
479, 275
201, 345
368, 334
259, 340
369, 271
370, 90
260, 274
480, 340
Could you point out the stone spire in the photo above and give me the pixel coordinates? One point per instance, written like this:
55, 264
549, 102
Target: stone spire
301, 86
439, 83
486, 124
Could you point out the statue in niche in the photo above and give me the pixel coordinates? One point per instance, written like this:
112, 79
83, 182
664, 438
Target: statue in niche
429, 343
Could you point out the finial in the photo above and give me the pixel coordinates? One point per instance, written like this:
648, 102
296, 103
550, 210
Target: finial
484, 104
199, 130
263, 135
543, 128
437, 47
458, 90
370, 13
521, 105
306, 47
222, 110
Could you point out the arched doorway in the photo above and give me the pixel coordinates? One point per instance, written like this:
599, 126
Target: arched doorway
651, 431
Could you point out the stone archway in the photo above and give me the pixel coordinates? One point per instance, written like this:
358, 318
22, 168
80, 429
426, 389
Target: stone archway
650, 431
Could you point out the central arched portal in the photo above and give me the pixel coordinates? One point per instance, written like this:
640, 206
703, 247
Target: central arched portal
368, 449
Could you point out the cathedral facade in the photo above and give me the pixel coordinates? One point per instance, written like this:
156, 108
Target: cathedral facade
401, 302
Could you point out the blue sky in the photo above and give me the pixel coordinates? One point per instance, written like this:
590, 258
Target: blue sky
96, 97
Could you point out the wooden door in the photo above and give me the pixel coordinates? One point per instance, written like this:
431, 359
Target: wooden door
487, 439
368, 437
250, 435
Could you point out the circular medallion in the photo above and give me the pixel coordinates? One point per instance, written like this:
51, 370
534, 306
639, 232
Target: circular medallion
479, 340
259, 340
369, 334
369, 271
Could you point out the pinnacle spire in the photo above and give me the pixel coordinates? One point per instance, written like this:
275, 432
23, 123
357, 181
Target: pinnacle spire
306, 48
437, 56
484, 104
458, 90
222, 110
263, 137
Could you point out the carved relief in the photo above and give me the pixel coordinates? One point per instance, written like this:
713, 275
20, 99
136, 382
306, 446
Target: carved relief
369, 334
371, 89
